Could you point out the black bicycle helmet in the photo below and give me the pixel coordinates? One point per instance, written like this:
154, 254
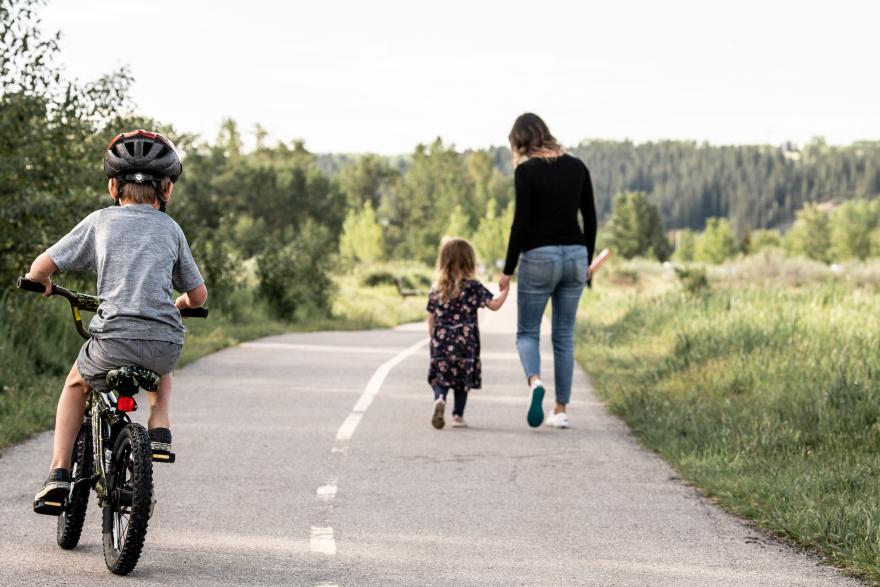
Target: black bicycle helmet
141, 156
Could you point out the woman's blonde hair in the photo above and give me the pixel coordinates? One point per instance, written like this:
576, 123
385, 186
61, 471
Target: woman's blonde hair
530, 137
455, 263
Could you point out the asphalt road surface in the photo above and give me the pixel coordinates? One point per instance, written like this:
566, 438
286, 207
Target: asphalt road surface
309, 459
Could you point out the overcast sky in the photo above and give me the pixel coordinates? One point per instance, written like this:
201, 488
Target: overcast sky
384, 75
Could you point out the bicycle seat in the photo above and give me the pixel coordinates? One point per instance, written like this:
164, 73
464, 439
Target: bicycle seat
127, 380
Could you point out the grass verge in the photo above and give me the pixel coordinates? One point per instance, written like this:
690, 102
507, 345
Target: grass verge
766, 397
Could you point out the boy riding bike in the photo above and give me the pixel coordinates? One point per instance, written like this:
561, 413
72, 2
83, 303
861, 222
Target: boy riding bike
139, 254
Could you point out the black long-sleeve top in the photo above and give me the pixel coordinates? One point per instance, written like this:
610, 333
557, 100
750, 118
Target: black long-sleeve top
549, 193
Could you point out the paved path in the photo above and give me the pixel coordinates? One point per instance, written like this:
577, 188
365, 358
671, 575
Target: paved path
309, 459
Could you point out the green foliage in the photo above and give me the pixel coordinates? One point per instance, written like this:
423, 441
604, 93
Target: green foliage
761, 396
49, 145
417, 211
693, 281
810, 236
361, 238
490, 239
717, 242
635, 228
687, 246
459, 224
764, 239
852, 224
367, 180
293, 273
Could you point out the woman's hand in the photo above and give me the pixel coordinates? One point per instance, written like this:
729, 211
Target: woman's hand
504, 282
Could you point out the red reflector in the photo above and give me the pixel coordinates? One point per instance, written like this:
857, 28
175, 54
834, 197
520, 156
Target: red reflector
125, 404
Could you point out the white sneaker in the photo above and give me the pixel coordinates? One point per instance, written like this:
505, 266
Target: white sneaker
437, 419
559, 420
458, 422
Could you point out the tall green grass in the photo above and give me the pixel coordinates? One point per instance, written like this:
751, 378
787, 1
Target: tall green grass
765, 396
38, 341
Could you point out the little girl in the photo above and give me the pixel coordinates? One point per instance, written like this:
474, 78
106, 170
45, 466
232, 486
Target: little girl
452, 323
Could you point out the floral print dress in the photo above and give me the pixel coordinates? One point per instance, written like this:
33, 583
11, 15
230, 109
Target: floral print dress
455, 342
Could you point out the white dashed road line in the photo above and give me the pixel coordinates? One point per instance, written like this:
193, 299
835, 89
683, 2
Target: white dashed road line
322, 539
346, 431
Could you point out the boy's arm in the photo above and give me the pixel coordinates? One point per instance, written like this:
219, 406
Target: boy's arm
41, 270
194, 298
495, 303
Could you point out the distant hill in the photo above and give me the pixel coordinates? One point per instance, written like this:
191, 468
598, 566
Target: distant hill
756, 186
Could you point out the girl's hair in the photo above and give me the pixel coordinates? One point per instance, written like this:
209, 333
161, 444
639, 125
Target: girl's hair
455, 263
530, 137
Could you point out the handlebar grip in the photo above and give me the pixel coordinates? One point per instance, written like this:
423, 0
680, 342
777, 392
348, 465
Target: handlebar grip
27, 284
194, 312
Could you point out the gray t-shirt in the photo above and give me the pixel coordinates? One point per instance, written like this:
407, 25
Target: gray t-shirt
139, 254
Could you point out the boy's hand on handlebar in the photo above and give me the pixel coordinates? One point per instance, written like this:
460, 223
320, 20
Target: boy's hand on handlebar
46, 281
181, 302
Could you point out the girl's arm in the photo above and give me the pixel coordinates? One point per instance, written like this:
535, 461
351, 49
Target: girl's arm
430, 324
495, 303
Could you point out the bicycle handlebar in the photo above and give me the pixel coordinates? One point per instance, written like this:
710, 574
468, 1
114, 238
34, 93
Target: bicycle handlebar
79, 301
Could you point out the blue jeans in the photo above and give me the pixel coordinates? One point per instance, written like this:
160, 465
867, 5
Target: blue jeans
460, 396
556, 273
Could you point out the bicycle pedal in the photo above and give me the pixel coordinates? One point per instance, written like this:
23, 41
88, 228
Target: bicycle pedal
48, 507
162, 452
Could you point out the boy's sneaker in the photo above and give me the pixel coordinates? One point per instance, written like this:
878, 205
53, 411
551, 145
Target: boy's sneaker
160, 444
53, 494
458, 422
536, 409
437, 419
559, 420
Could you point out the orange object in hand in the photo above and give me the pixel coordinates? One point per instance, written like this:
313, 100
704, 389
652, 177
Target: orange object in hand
600, 260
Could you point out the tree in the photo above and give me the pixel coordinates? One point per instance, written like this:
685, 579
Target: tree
764, 239
490, 239
459, 224
717, 243
417, 210
810, 235
851, 226
687, 246
361, 238
50, 138
367, 180
635, 229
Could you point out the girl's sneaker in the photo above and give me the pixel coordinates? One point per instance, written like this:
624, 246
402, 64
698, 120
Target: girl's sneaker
437, 419
559, 420
536, 410
458, 422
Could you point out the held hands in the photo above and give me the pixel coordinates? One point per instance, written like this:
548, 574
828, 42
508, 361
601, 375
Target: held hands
504, 283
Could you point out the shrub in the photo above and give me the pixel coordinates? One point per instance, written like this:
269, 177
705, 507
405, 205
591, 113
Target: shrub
693, 280
294, 275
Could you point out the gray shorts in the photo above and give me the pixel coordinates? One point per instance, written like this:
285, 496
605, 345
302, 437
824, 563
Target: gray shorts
97, 357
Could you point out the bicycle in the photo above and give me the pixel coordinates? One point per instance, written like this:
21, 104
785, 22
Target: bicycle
122, 476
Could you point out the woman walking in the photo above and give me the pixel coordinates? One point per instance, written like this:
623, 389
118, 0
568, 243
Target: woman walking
553, 254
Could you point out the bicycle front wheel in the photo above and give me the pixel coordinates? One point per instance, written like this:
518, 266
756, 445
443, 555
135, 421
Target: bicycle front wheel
130, 488
70, 522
